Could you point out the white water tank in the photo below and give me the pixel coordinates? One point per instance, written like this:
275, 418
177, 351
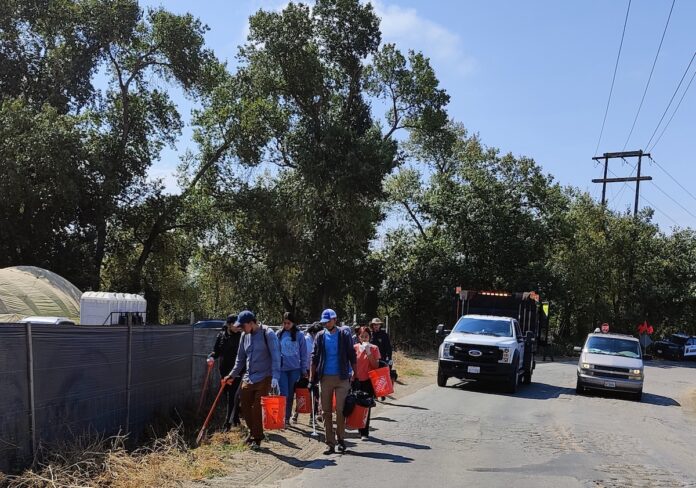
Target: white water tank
107, 308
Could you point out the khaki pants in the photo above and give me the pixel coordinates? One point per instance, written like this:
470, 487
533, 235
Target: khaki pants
251, 406
329, 385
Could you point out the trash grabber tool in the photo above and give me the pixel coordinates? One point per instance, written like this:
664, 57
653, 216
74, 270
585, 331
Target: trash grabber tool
314, 415
205, 388
223, 384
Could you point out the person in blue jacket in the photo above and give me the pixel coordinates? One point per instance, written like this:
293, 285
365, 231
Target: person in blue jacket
294, 360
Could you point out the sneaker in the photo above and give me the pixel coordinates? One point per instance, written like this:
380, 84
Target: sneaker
329, 450
248, 439
255, 445
364, 438
320, 419
226, 427
341, 446
294, 418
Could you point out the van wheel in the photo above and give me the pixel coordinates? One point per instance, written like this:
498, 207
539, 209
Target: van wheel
638, 396
441, 378
579, 388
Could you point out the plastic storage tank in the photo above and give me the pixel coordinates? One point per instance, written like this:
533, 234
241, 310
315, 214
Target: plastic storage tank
105, 308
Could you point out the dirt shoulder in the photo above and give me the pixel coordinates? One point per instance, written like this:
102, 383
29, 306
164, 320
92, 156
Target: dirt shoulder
287, 452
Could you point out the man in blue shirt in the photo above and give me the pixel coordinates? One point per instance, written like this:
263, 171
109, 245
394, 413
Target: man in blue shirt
260, 353
333, 363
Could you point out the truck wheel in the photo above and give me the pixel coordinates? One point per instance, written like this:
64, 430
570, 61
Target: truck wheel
441, 379
514, 380
527, 377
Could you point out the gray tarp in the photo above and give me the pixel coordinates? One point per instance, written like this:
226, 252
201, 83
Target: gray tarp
81, 381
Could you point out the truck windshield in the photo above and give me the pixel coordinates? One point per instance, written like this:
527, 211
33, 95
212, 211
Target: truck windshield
498, 328
613, 347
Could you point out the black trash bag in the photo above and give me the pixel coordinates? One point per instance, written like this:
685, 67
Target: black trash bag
364, 399
302, 383
349, 406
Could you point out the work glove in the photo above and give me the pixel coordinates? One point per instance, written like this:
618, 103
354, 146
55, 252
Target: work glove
274, 384
210, 362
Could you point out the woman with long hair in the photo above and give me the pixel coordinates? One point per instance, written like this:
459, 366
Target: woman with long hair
294, 360
367, 359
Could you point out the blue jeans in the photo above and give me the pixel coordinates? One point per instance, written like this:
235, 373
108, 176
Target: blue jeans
287, 388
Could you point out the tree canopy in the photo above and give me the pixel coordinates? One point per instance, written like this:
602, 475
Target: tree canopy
326, 171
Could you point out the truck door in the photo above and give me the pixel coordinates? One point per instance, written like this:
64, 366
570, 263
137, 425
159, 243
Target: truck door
520, 339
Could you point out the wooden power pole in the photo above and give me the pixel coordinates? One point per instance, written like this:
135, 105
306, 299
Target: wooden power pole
638, 178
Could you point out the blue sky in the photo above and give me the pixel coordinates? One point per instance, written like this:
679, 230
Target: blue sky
532, 78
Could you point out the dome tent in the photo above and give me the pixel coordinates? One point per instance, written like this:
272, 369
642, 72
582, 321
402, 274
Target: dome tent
28, 290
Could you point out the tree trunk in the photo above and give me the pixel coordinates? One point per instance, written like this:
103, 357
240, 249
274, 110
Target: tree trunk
99, 252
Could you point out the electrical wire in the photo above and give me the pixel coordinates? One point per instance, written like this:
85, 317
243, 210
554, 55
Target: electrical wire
659, 48
655, 207
671, 100
674, 200
673, 178
613, 79
675, 111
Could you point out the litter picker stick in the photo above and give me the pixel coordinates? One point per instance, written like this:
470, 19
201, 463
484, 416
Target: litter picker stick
223, 384
314, 415
205, 389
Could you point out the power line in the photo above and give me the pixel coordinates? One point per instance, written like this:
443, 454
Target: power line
651, 203
674, 200
613, 79
671, 100
659, 48
673, 178
626, 185
675, 110
663, 213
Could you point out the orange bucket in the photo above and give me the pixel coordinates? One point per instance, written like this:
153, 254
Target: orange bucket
273, 412
304, 400
357, 418
381, 381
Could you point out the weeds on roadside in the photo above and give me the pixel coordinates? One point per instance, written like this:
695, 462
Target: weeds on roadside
97, 461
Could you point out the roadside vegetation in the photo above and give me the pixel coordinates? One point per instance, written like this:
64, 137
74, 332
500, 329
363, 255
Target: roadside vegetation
302, 149
105, 462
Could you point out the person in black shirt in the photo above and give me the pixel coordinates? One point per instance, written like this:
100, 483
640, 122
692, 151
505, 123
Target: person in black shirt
225, 351
381, 339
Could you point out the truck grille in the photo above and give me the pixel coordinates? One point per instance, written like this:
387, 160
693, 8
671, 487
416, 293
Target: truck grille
489, 354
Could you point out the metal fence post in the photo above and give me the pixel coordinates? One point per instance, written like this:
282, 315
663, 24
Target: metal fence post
32, 403
128, 376
193, 360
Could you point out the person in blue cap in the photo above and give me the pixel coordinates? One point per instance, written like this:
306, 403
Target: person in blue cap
333, 364
259, 352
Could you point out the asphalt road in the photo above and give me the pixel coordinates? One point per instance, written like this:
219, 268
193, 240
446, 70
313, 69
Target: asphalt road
543, 436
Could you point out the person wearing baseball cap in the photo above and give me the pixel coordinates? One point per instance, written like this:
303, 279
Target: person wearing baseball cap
380, 338
333, 364
259, 359
225, 351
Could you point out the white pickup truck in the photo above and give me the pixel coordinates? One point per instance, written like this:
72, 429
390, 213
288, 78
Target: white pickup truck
486, 348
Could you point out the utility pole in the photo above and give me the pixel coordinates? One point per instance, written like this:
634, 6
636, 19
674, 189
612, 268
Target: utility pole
638, 178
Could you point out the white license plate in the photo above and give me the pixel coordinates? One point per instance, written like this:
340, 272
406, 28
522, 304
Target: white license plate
610, 384
473, 369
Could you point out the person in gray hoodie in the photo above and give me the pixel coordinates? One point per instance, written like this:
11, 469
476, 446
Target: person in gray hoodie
294, 360
258, 359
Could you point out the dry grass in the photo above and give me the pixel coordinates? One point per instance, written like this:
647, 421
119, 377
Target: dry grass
91, 461
411, 365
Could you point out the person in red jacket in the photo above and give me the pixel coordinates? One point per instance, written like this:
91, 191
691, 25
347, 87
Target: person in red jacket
368, 357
